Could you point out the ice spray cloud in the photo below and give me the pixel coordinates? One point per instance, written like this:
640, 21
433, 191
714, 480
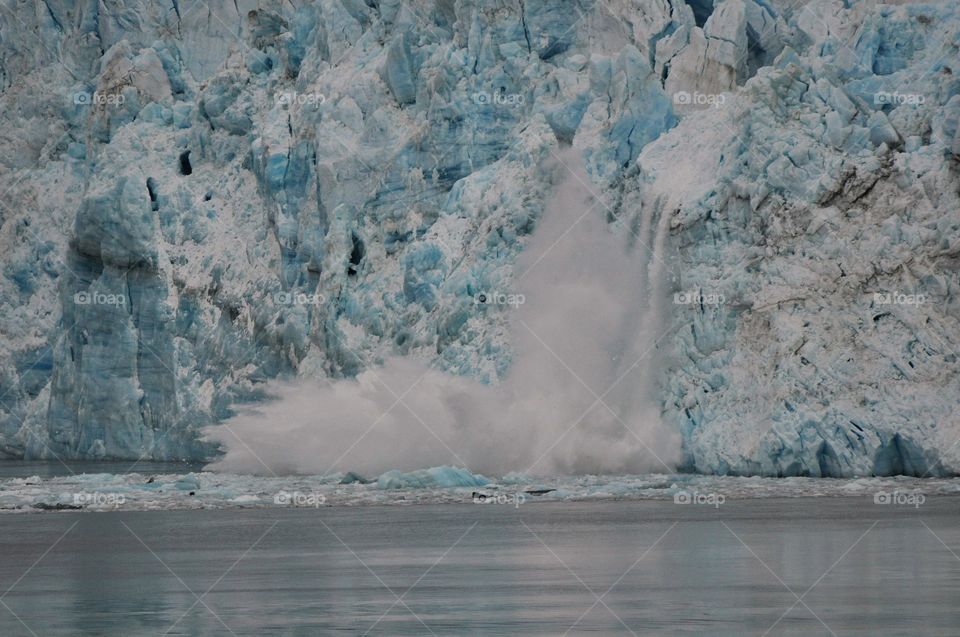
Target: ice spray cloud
580, 397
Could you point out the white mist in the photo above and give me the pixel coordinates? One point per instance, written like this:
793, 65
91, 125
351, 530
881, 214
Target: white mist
579, 398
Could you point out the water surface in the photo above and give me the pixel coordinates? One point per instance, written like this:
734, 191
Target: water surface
52, 469
459, 569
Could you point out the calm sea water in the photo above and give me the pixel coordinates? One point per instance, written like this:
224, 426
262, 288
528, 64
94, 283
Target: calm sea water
605, 568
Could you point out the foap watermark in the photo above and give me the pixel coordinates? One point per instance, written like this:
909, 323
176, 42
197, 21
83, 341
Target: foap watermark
683, 98
499, 298
293, 98
99, 298
695, 497
696, 297
299, 499
83, 98
97, 499
899, 298
498, 98
514, 499
298, 298
901, 498
882, 98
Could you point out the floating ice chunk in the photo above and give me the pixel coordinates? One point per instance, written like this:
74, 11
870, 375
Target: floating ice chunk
188, 483
434, 477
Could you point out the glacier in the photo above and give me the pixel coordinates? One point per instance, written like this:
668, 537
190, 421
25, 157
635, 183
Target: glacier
198, 200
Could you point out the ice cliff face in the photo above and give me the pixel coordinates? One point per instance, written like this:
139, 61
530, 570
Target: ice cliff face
200, 197
824, 246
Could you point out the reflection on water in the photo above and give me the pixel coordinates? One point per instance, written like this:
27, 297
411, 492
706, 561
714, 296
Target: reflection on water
656, 568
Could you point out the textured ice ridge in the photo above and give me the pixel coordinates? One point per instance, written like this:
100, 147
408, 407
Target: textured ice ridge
199, 199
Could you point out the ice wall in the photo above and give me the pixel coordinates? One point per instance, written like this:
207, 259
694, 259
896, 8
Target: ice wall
199, 199
815, 276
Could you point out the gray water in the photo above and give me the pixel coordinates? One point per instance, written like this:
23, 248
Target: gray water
48, 469
536, 569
